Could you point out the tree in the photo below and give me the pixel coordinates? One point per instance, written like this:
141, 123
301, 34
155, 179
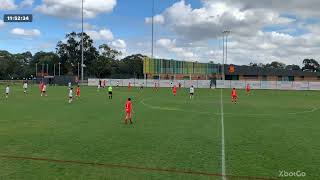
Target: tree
14, 66
253, 64
293, 67
276, 65
106, 64
24, 58
102, 67
310, 65
44, 58
133, 65
5, 57
69, 52
107, 52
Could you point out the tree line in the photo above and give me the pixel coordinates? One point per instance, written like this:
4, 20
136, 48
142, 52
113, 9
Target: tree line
99, 62
310, 65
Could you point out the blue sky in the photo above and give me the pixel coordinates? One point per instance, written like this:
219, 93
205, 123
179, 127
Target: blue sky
127, 20
184, 29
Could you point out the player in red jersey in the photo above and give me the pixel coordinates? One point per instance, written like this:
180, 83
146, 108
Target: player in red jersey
128, 109
44, 90
78, 91
234, 96
41, 86
174, 90
248, 89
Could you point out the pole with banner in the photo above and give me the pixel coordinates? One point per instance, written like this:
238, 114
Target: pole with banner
54, 70
47, 69
59, 67
36, 70
42, 71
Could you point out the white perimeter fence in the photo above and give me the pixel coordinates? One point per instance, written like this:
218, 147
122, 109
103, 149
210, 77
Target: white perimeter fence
151, 82
282, 85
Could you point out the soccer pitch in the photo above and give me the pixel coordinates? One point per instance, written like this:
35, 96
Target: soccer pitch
267, 132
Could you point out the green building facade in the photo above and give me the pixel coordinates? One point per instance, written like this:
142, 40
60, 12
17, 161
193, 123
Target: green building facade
164, 66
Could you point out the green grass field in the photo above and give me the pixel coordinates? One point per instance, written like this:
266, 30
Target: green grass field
265, 133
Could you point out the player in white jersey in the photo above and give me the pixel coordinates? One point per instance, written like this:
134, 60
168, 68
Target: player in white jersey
25, 87
191, 92
69, 85
70, 95
7, 91
44, 90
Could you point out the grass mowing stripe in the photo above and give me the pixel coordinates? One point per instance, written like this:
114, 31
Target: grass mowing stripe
223, 160
133, 167
261, 135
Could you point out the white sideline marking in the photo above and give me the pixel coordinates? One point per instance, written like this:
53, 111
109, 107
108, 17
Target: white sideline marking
223, 161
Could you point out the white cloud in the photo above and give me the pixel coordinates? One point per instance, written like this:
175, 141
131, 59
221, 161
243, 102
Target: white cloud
103, 34
208, 21
26, 3
262, 47
199, 30
273, 46
72, 8
308, 8
157, 19
170, 45
29, 33
166, 43
7, 5
119, 44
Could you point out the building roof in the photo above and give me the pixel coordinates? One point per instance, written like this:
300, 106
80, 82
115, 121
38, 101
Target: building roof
260, 71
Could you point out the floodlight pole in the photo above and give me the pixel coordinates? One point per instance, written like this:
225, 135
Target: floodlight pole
225, 50
225, 36
152, 37
59, 67
47, 69
42, 71
36, 70
222, 64
81, 41
152, 29
54, 70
